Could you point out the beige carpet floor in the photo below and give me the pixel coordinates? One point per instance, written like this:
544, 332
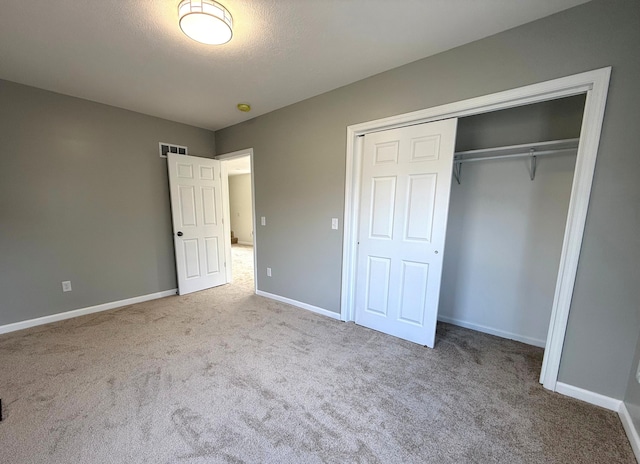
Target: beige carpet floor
225, 376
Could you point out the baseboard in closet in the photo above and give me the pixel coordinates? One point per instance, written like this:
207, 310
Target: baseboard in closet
299, 304
492, 331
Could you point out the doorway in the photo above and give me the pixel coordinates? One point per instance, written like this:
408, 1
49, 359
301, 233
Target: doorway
594, 86
239, 217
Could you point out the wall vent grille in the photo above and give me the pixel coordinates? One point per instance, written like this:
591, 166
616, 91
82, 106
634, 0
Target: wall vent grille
171, 148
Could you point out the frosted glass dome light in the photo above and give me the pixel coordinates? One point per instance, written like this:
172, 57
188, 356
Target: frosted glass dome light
205, 21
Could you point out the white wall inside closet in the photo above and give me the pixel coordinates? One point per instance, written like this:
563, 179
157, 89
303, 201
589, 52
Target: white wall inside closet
505, 231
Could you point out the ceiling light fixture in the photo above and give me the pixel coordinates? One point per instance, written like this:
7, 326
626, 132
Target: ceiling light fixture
205, 21
244, 107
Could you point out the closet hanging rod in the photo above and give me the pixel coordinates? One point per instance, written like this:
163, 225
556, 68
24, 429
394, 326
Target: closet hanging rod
533, 150
515, 155
515, 149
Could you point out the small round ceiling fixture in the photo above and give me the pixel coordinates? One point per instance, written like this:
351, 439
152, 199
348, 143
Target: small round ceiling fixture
244, 107
205, 21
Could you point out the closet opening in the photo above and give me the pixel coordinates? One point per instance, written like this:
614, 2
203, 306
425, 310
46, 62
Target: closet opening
592, 86
513, 176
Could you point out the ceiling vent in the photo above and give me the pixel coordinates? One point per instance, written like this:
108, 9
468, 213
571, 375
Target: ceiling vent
169, 148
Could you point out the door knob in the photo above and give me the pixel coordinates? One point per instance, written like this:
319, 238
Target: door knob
179, 234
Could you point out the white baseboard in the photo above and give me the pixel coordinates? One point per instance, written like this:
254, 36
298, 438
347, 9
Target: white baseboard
245, 243
588, 396
491, 331
83, 311
607, 403
299, 304
630, 429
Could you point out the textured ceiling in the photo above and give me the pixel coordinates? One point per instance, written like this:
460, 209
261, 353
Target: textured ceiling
132, 53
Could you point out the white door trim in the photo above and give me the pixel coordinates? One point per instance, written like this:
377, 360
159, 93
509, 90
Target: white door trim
595, 84
225, 208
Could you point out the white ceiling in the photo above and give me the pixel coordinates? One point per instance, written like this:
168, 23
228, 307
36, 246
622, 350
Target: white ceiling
132, 54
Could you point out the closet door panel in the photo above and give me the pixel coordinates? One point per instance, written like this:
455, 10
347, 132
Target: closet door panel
420, 207
383, 198
378, 274
414, 290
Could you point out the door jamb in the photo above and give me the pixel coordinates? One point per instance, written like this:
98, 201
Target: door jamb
226, 209
595, 85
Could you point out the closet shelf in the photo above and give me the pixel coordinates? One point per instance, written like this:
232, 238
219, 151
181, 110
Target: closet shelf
530, 150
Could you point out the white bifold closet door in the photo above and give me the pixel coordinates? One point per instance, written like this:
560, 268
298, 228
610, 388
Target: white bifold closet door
196, 209
406, 182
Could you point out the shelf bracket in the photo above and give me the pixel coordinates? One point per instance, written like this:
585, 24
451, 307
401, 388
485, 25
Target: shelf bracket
457, 170
532, 162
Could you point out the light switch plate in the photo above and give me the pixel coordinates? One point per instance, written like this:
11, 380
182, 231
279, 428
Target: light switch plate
66, 286
263, 221
334, 223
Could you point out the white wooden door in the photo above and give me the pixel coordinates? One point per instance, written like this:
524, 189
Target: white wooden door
406, 181
198, 231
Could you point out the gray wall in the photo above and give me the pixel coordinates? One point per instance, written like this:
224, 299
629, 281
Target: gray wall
550, 120
505, 232
299, 163
240, 211
83, 197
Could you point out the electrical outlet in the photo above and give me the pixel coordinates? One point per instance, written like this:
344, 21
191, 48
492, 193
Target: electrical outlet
268, 272
66, 286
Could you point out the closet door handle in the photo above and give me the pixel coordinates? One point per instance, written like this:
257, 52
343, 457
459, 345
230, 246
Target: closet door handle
436, 252
179, 234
